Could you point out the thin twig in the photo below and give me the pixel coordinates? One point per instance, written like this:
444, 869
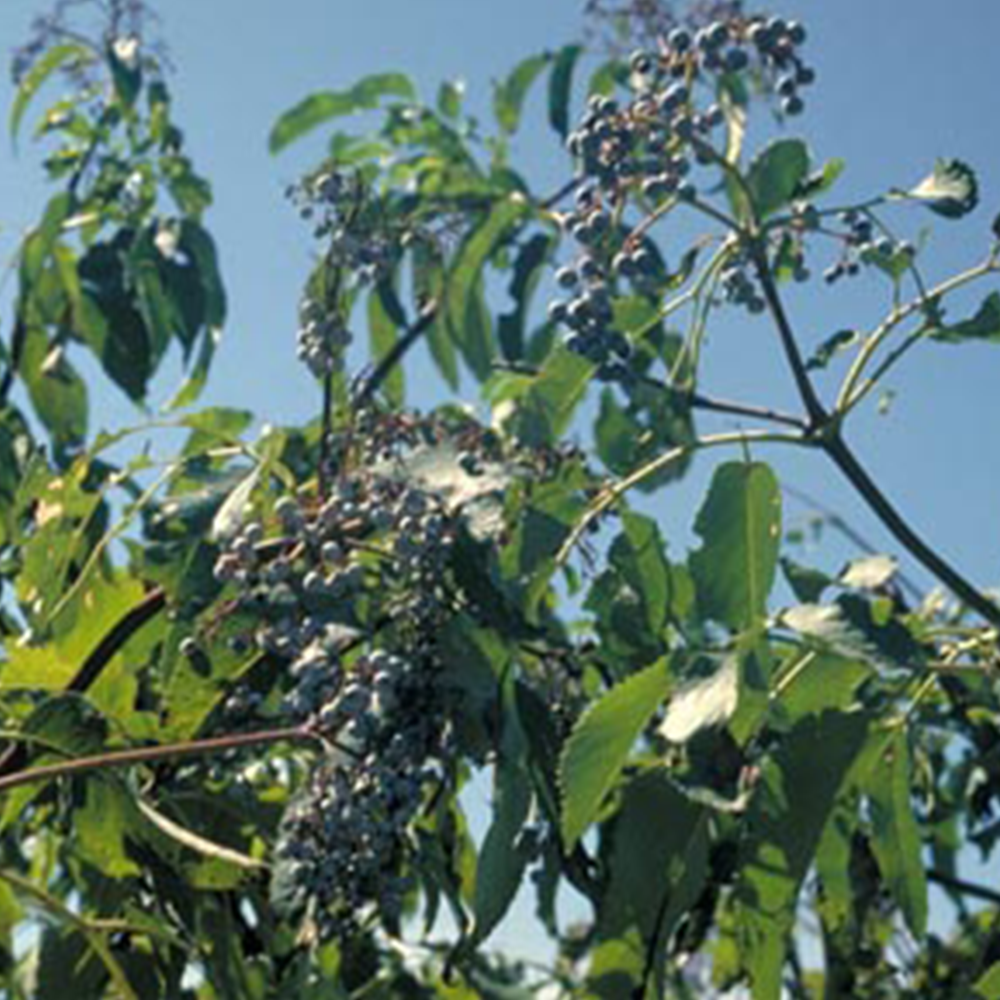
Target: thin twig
838, 523
615, 491
849, 465
396, 353
817, 413
146, 755
851, 392
964, 887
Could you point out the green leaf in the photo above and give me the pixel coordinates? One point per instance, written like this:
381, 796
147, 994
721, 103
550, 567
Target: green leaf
797, 792
561, 87
466, 311
638, 554
987, 986
703, 704
508, 96
58, 393
100, 827
39, 245
775, 175
822, 180
322, 107
657, 868
895, 834
197, 242
740, 525
806, 582
528, 269
985, 325
56, 57
951, 190
449, 98
835, 344
505, 853
383, 331
821, 681
600, 744
127, 78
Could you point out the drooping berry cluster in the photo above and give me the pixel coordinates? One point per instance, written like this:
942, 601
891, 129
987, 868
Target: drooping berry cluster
642, 152
323, 338
348, 596
589, 316
344, 842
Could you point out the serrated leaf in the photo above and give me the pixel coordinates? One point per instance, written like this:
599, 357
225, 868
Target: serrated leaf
740, 525
830, 348
54, 59
316, 109
806, 582
702, 704
561, 87
657, 868
600, 743
869, 572
229, 518
985, 325
895, 834
799, 788
465, 305
951, 189
775, 174
508, 97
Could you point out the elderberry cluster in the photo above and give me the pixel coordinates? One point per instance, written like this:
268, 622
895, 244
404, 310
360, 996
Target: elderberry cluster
342, 212
343, 843
589, 316
644, 150
323, 338
862, 244
301, 586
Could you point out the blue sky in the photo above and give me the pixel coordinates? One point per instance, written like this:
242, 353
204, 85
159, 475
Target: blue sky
900, 84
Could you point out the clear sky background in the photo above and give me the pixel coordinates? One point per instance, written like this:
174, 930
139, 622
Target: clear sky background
900, 84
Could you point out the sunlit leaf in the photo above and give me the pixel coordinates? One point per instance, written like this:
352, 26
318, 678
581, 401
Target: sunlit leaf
950, 190
775, 174
740, 527
322, 107
702, 704
54, 59
896, 837
508, 96
600, 744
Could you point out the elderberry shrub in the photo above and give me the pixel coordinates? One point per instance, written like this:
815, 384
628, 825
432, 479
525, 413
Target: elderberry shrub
640, 153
